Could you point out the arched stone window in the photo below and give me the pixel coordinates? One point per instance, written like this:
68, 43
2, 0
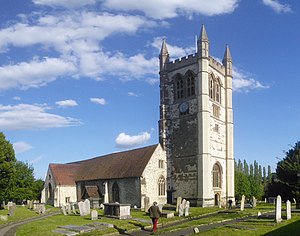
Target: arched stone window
115, 192
179, 88
161, 186
190, 85
217, 176
50, 191
214, 89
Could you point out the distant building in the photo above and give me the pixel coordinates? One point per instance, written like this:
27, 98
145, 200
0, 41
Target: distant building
194, 158
124, 177
196, 125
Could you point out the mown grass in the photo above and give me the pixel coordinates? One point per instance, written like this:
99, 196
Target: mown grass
46, 226
256, 227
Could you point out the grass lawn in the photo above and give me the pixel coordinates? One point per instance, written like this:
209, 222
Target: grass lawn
251, 227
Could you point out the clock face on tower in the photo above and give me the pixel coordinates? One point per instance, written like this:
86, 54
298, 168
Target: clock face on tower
183, 107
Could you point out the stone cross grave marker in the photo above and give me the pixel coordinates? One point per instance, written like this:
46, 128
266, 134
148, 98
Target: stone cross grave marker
179, 200
288, 210
94, 215
278, 210
146, 204
243, 203
187, 208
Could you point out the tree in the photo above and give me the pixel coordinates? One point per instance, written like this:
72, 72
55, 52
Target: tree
23, 180
7, 166
288, 171
242, 185
246, 168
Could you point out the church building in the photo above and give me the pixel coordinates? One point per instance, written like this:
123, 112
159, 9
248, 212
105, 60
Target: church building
196, 125
194, 158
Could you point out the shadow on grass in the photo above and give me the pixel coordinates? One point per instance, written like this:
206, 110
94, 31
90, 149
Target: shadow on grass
290, 229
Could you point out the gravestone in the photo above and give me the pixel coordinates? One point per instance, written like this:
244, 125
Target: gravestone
187, 208
196, 230
288, 210
40, 208
180, 210
243, 203
146, 204
94, 215
179, 200
87, 206
278, 210
12, 209
253, 202
82, 210
63, 210
183, 203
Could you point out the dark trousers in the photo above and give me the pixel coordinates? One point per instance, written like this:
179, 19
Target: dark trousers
154, 222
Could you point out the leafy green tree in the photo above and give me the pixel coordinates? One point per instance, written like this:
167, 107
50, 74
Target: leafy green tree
288, 171
246, 168
7, 166
242, 185
23, 182
251, 170
37, 189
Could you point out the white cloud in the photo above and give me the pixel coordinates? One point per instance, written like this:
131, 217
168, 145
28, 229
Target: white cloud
132, 94
277, 7
21, 147
172, 8
243, 82
16, 98
33, 74
100, 101
65, 3
126, 141
26, 116
67, 103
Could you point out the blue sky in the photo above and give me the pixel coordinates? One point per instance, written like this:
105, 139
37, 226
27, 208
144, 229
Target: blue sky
79, 79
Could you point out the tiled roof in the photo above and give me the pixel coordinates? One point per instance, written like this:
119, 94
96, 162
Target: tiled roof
64, 174
116, 165
125, 164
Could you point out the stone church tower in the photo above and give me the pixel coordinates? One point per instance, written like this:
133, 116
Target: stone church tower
196, 125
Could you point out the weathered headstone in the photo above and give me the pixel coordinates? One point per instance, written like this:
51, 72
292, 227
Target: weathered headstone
253, 202
11, 209
183, 203
94, 215
63, 210
243, 203
187, 208
87, 206
40, 208
179, 200
180, 210
288, 210
196, 230
82, 210
146, 204
278, 210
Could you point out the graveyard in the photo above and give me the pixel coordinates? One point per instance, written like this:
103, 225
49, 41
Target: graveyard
80, 219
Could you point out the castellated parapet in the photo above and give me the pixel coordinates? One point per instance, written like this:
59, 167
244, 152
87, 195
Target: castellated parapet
192, 59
